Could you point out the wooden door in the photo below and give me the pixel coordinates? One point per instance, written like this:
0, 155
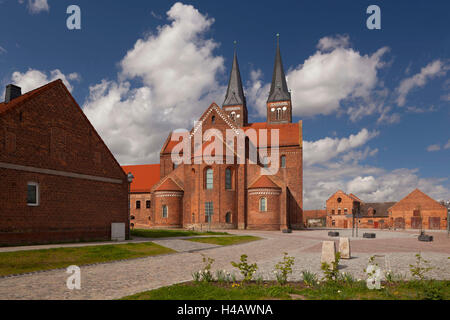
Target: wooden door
399, 223
416, 223
434, 223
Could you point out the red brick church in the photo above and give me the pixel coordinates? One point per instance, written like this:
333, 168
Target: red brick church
228, 196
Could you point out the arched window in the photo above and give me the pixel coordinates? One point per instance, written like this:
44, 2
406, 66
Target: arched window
165, 211
213, 119
228, 178
283, 161
228, 217
209, 179
233, 116
279, 114
263, 205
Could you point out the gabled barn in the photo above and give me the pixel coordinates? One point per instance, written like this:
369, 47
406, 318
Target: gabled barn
59, 180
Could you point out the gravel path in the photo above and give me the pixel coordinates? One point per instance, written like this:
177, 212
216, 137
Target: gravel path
119, 279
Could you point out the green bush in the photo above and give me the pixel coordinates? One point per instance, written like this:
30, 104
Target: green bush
247, 270
283, 269
332, 272
421, 267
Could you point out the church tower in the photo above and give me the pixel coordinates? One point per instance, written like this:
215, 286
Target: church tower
235, 105
279, 104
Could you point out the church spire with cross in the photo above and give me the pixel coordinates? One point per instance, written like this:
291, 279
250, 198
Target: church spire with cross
279, 105
235, 105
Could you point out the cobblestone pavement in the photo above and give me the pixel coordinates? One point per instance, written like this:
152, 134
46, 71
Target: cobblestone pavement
119, 279
184, 246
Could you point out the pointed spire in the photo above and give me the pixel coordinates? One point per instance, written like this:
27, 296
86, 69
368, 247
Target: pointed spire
279, 90
235, 91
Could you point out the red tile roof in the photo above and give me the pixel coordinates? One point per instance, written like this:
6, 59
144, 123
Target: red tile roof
289, 132
169, 185
145, 176
264, 182
351, 195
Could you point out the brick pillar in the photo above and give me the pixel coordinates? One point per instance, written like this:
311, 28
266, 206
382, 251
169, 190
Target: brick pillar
241, 197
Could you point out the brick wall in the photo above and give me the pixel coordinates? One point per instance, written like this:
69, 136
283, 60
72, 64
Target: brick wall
50, 131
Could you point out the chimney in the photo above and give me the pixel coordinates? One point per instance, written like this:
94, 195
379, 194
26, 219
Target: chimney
12, 92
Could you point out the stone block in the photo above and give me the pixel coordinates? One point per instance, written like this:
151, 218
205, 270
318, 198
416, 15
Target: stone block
328, 252
426, 238
333, 234
344, 248
369, 235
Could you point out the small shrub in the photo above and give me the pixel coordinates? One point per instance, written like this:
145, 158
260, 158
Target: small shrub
247, 270
332, 272
309, 278
283, 269
421, 267
205, 274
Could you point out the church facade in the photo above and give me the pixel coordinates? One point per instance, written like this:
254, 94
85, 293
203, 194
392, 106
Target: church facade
238, 194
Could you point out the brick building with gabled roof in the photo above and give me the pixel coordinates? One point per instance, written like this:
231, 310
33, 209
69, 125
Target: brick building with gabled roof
235, 195
415, 211
59, 180
145, 177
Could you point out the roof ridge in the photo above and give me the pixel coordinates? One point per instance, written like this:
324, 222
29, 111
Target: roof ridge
26, 96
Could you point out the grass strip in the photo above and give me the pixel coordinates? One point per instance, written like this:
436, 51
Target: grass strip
37, 260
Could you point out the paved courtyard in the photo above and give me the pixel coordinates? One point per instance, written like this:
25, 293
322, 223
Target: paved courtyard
117, 279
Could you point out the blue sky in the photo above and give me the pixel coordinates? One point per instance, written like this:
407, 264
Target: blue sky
375, 103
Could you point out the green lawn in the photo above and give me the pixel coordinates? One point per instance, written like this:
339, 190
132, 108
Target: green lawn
28, 261
154, 233
226, 241
414, 290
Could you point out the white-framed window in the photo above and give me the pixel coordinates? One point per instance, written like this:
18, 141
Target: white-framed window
209, 179
263, 205
33, 198
165, 211
209, 211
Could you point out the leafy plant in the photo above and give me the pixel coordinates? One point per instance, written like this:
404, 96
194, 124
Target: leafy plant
223, 276
205, 274
421, 267
332, 272
309, 278
197, 276
347, 278
247, 270
284, 268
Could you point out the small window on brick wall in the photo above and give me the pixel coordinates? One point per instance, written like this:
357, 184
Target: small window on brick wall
148, 204
33, 194
138, 204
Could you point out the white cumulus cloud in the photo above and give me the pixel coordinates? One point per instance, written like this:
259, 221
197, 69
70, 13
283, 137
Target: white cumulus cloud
36, 6
33, 79
323, 150
330, 76
178, 70
434, 69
